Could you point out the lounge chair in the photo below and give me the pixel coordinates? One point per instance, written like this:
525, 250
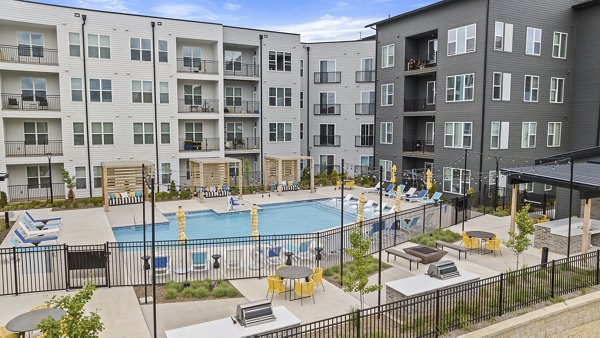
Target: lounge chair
376, 208
32, 233
375, 189
392, 193
304, 251
347, 198
161, 265
434, 198
43, 220
36, 240
274, 255
375, 228
199, 261
233, 258
388, 189
418, 197
411, 224
410, 192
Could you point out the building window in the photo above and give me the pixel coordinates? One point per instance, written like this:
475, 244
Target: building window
301, 68
366, 135
193, 131
557, 89
233, 96
141, 49
192, 94
462, 40
559, 45
141, 91
387, 94
35, 132
301, 100
458, 135
460, 88
102, 133
503, 37
192, 56
301, 130
38, 177
233, 60
387, 169
98, 46
429, 133
233, 131
74, 44
97, 176
386, 133
527, 187
280, 132
501, 86
78, 134
164, 92
280, 61
280, 97
76, 89
143, 133
80, 181
534, 41
499, 135
366, 162
33, 89
165, 133
456, 180
165, 173
495, 135
387, 56
532, 85
528, 132
100, 90
548, 187
554, 129
163, 51
30, 44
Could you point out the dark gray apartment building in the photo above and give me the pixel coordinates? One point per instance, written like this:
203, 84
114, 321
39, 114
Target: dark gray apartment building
505, 80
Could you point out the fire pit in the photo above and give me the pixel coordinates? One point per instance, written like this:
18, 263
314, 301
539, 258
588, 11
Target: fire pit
426, 253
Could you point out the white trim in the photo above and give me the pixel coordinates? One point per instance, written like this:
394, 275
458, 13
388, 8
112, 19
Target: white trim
526, 133
454, 39
386, 132
462, 135
533, 41
554, 144
537, 89
386, 57
387, 94
556, 91
464, 87
497, 135
564, 38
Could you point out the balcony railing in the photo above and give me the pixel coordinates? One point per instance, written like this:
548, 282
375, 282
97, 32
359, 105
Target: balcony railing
365, 76
246, 107
30, 102
243, 143
33, 192
28, 54
328, 77
192, 65
421, 62
241, 69
364, 140
326, 168
364, 108
327, 140
418, 146
204, 144
327, 109
23, 148
198, 106
419, 105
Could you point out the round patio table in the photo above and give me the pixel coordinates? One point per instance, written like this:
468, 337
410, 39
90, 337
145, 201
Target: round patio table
481, 235
294, 272
29, 320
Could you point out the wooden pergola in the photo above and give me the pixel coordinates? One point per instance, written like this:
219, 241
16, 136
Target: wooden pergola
205, 172
286, 168
125, 176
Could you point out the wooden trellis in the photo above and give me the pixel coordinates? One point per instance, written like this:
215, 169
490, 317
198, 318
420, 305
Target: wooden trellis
124, 177
207, 172
284, 168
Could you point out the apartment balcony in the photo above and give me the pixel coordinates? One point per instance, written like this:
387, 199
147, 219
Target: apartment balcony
242, 143
205, 144
327, 140
28, 102
198, 106
416, 105
326, 168
241, 69
327, 109
328, 77
245, 107
418, 148
420, 65
24, 148
35, 192
364, 140
364, 109
28, 54
198, 66
365, 76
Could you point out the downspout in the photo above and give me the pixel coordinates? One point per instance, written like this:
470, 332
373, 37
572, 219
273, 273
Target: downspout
484, 98
375, 108
87, 112
307, 101
155, 102
262, 111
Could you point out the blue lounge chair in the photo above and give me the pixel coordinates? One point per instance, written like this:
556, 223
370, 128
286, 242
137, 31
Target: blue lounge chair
274, 255
413, 223
161, 265
375, 228
393, 192
34, 240
434, 198
388, 189
43, 220
418, 197
199, 261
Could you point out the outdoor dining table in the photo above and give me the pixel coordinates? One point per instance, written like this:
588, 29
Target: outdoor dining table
294, 272
481, 235
27, 322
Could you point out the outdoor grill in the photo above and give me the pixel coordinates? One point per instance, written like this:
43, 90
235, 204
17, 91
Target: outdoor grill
443, 270
254, 313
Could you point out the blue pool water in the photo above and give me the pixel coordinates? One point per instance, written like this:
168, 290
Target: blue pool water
274, 219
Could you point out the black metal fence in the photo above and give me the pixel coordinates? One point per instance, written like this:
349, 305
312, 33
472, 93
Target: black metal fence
243, 143
196, 105
328, 77
196, 65
244, 107
204, 144
35, 192
28, 54
241, 69
419, 105
365, 76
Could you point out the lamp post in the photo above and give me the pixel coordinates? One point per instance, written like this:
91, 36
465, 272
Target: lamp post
497, 182
50, 175
145, 257
342, 227
380, 228
150, 181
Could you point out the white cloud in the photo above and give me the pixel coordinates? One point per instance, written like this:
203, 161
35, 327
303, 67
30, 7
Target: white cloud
230, 6
199, 10
107, 5
328, 28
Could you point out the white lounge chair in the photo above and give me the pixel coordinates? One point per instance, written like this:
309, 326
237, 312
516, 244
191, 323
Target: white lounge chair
409, 193
27, 232
233, 258
375, 189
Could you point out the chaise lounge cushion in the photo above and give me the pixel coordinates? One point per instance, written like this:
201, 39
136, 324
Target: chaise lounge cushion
138, 194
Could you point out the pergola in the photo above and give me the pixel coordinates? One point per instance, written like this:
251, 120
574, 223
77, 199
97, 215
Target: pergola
125, 176
205, 172
286, 168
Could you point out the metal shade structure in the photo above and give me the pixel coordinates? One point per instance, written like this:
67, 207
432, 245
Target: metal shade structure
283, 168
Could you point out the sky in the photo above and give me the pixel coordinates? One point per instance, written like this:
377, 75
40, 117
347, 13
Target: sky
316, 20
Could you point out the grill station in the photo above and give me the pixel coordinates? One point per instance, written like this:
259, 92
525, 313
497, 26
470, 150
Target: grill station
254, 313
443, 270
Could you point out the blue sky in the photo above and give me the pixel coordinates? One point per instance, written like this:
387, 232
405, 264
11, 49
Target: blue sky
316, 20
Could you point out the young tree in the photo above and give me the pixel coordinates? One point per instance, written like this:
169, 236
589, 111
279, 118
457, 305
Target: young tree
519, 241
172, 189
70, 182
356, 280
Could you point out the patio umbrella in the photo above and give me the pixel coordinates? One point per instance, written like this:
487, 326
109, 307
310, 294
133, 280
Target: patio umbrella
393, 180
397, 207
254, 221
428, 182
181, 223
361, 208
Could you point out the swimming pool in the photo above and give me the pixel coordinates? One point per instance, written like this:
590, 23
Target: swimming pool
274, 219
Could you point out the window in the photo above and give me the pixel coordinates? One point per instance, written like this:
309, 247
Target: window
280, 97
165, 133
76, 89
233, 131
233, 60
163, 95
30, 44
387, 94
501, 86
430, 98
327, 105
458, 135
98, 46
548, 187
97, 176
367, 161
554, 129
461, 40
301, 100
527, 187
233, 96
301, 68
191, 56
456, 181
35, 132
528, 132
141, 91
38, 177
387, 56
386, 133
80, 181
387, 169
429, 133
557, 88
534, 41
532, 84
280, 132
193, 131
78, 134
163, 51
143, 133
559, 45
140, 49
495, 135
366, 135
301, 130
33, 89
192, 94
102, 133
100, 90
503, 37
280, 61
74, 44
460, 88
327, 135
165, 173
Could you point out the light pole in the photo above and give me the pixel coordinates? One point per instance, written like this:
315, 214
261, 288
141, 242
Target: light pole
342, 227
497, 183
380, 228
150, 181
50, 175
145, 257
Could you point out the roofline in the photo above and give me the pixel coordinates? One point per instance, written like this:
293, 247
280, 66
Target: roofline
413, 12
258, 29
587, 4
341, 41
575, 154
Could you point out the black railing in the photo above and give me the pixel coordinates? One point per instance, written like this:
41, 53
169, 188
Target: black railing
418, 146
204, 144
24, 148
364, 140
328, 77
194, 65
326, 168
421, 62
419, 105
327, 140
35, 192
241, 69
327, 109
28, 54
198, 106
364, 170
246, 107
30, 102
365, 76
243, 143
364, 109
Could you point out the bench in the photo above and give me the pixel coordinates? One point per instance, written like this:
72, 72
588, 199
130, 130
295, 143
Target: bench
404, 255
458, 248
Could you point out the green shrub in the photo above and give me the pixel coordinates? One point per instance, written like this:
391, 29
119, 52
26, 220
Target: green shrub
224, 290
187, 293
429, 239
334, 176
174, 286
171, 294
163, 196
199, 293
305, 174
3, 199
185, 194
197, 284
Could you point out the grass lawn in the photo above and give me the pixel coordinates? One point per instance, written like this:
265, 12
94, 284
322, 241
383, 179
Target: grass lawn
197, 290
429, 239
332, 274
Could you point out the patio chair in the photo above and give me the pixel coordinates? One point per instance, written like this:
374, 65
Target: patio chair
304, 290
376, 208
199, 261
304, 251
36, 240
388, 189
161, 265
493, 245
34, 232
411, 224
274, 255
375, 189
410, 192
43, 220
392, 193
347, 198
465, 237
418, 197
4, 333
434, 198
471, 243
275, 284
375, 228
317, 277
233, 258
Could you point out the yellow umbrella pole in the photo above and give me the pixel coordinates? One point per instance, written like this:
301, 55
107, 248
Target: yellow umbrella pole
397, 207
393, 179
428, 182
361, 208
254, 221
181, 223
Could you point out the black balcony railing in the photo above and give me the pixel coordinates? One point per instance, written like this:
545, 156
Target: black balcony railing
28, 54
421, 62
204, 144
34, 192
30, 102
194, 65
327, 140
364, 140
425, 104
326, 168
246, 107
328, 77
241, 69
364, 108
418, 146
365, 76
243, 143
23, 148
198, 106
327, 109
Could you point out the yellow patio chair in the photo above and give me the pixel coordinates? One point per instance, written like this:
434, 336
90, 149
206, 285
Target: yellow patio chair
304, 289
4, 333
338, 184
493, 245
39, 307
275, 285
317, 277
471, 243
465, 237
